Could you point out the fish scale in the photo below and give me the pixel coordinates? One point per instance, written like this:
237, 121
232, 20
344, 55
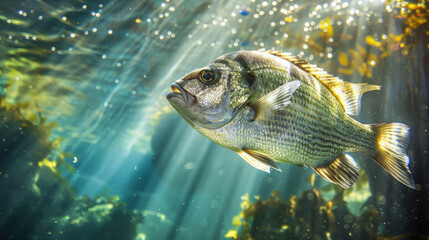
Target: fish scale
301, 126
273, 107
305, 121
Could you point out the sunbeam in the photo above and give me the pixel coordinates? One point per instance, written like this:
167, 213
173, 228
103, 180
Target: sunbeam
92, 149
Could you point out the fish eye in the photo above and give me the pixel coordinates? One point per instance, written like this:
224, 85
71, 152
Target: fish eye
206, 76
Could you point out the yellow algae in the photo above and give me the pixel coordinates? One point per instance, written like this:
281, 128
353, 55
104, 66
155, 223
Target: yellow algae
343, 59
327, 29
231, 234
346, 71
236, 220
288, 19
103, 207
275, 194
45, 163
281, 220
357, 61
371, 41
49, 164
356, 57
311, 179
161, 216
141, 236
414, 16
245, 201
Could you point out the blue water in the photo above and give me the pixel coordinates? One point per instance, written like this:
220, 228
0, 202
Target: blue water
101, 70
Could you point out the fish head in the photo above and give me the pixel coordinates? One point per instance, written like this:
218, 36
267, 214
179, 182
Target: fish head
211, 96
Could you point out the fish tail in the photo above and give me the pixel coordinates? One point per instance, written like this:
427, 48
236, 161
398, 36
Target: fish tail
392, 140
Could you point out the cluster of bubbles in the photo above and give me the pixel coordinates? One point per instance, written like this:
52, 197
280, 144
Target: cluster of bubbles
266, 24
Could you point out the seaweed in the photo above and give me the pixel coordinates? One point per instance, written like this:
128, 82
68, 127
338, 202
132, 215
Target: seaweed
410, 17
37, 202
310, 216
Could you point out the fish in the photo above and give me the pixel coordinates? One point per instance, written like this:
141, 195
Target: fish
273, 107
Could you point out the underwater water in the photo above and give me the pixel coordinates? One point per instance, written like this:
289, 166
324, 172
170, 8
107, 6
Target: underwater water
91, 149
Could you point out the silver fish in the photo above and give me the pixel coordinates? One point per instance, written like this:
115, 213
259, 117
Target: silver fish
273, 107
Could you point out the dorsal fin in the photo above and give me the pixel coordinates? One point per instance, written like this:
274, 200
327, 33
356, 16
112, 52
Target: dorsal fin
348, 94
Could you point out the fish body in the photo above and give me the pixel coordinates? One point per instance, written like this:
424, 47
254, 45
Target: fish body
273, 107
310, 131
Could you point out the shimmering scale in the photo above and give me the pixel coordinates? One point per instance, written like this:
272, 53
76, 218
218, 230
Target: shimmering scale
312, 130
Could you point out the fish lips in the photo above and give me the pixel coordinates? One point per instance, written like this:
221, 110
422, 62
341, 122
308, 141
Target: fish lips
180, 96
186, 105
183, 102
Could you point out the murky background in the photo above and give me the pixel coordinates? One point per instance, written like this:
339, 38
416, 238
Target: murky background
91, 149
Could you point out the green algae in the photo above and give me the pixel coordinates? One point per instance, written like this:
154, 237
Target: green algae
313, 215
37, 202
304, 216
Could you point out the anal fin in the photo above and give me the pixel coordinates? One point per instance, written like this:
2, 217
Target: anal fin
342, 171
258, 160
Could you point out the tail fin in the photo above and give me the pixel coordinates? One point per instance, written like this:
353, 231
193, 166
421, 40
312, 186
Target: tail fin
392, 142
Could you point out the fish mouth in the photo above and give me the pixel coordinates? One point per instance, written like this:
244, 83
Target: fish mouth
182, 95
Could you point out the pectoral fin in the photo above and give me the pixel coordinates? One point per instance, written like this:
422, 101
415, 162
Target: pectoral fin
342, 171
258, 160
277, 99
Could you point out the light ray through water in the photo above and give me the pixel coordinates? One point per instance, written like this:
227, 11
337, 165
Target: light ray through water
113, 66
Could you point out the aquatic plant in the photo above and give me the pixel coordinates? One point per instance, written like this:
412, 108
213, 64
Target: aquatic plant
307, 216
323, 213
413, 18
103, 217
312, 215
323, 39
100, 68
37, 202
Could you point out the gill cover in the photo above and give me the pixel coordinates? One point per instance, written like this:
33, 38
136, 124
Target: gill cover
218, 91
